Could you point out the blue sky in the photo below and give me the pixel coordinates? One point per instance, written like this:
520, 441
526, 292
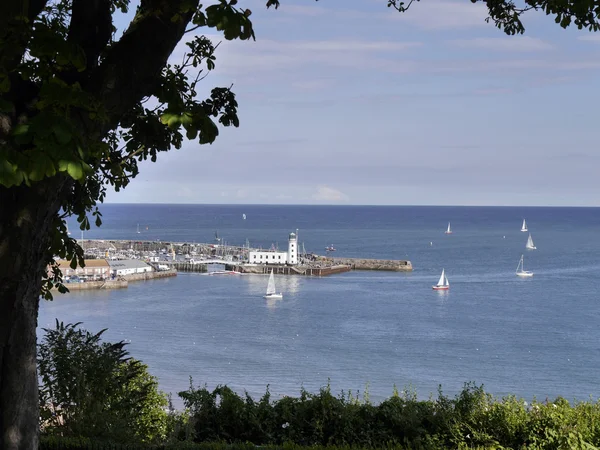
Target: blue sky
352, 103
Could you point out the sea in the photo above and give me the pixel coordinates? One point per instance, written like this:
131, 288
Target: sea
364, 332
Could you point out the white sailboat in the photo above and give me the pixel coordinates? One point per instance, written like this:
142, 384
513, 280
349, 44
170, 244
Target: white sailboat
271, 291
449, 230
138, 228
521, 272
530, 245
442, 284
244, 216
524, 226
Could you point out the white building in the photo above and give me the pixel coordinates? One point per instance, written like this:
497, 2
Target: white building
268, 257
128, 267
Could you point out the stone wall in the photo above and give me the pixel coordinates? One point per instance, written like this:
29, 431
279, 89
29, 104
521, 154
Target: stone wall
149, 275
370, 264
109, 284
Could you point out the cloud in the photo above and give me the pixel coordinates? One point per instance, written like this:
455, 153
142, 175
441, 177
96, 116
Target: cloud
590, 37
275, 56
428, 15
443, 14
328, 194
503, 44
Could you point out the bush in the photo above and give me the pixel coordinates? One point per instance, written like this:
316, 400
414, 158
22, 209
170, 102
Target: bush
92, 389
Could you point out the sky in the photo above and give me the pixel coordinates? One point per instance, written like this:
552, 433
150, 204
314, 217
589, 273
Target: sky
354, 103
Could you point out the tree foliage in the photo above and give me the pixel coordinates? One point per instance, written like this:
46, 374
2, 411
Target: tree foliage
93, 389
83, 108
507, 14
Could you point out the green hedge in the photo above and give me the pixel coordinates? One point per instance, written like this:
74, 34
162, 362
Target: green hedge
223, 420
471, 419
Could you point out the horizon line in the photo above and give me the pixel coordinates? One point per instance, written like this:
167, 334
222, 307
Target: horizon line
352, 204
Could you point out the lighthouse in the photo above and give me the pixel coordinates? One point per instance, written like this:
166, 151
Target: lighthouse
292, 256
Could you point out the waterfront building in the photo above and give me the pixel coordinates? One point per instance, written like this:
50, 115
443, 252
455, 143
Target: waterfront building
277, 258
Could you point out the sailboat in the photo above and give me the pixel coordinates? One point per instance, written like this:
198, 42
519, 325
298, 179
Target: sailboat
521, 272
530, 245
244, 216
448, 231
442, 284
524, 226
271, 291
138, 228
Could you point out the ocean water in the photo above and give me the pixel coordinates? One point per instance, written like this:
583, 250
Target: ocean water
530, 337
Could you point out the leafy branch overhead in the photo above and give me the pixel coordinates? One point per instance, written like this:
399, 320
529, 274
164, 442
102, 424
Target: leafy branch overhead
79, 108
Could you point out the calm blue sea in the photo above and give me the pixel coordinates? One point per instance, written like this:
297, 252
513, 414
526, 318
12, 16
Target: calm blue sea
531, 337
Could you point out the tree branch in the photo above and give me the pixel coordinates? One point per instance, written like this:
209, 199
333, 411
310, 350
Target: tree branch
132, 66
91, 28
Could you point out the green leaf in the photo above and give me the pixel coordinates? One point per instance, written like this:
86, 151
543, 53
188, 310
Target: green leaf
62, 133
75, 170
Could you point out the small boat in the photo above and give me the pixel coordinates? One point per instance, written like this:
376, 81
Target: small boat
217, 238
271, 291
330, 248
521, 272
524, 226
530, 245
449, 230
224, 272
442, 284
138, 228
244, 216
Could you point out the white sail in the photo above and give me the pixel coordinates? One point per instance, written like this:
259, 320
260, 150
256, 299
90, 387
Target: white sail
138, 228
524, 226
271, 286
446, 281
443, 280
448, 230
244, 216
530, 244
521, 272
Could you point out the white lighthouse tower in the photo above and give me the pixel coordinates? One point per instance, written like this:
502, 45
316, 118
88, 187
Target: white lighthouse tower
292, 256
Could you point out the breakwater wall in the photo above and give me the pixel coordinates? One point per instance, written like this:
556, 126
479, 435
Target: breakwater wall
88, 285
370, 264
150, 275
292, 270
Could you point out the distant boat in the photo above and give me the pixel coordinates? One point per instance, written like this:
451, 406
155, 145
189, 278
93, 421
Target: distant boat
138, 228
449, 230
442, 284
521, 272
217, 238
68, 232
524, 226
244, 216
224, 272
330, 248
271, 291
530, 245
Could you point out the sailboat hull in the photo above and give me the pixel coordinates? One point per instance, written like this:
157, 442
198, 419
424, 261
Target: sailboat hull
525, 274
273, 296
532, 247
440, 288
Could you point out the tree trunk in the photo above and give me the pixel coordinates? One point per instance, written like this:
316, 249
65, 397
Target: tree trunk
27, 221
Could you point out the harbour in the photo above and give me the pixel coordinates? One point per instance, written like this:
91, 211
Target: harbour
199, 257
